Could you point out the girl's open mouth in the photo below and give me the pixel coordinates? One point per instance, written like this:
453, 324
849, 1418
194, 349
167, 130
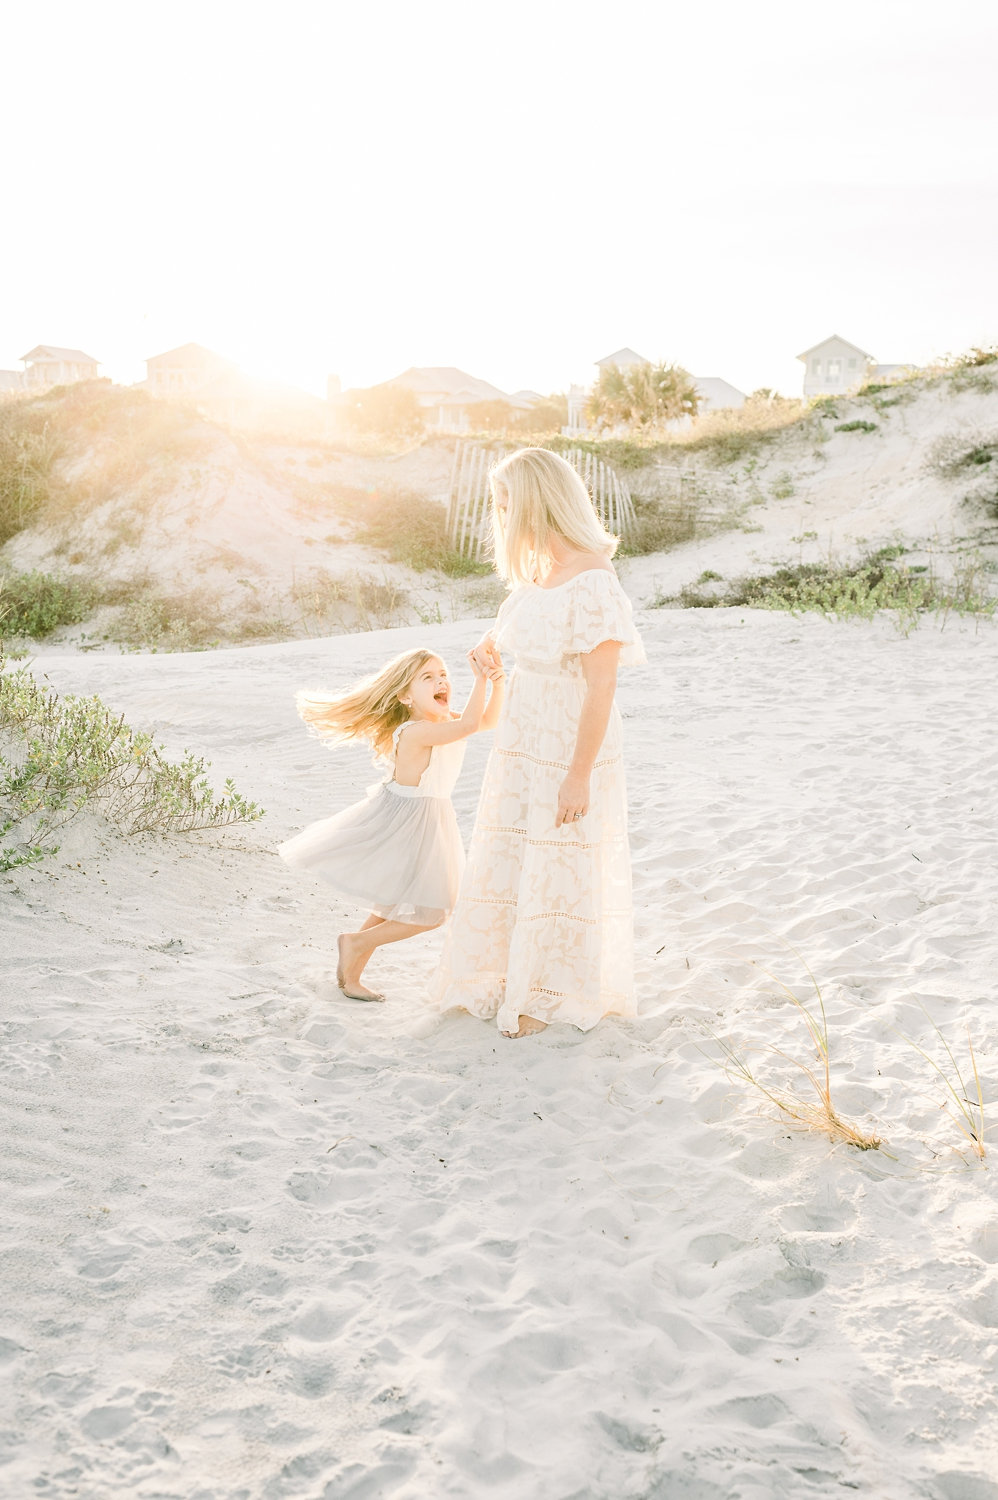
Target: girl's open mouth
443, 697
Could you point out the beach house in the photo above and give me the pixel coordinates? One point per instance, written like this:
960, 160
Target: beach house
48, 364
835, 366
447, 396
184, 371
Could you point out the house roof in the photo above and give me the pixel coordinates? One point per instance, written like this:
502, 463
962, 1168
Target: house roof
622, 358
203, 354
713, 388
447, 381
52, 351
835, 338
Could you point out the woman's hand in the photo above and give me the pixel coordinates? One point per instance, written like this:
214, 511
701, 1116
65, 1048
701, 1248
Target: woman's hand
486, 655
476, 666
573, 799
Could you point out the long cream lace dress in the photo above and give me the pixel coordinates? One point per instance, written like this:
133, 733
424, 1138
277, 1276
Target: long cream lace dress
543, 921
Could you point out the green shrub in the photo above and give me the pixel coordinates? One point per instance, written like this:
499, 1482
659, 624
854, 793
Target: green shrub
34, 604
74, 753
856, 427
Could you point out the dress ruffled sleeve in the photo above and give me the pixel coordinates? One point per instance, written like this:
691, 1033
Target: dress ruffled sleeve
601, 611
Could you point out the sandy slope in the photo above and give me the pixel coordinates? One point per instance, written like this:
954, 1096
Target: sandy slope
259, 1242
846, 493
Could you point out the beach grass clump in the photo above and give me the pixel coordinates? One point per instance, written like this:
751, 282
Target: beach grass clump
325, 601
859, 590
660, 524
818, 1113
29, 446
60, 755
964, 455
730, 434
413, 531
34, 604
152, 620
856, 426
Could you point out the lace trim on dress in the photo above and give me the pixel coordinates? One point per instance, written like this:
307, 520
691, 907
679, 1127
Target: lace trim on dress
559, 765
553, 843
538, 989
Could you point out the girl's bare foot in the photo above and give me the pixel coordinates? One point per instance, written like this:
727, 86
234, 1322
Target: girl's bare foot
348, 970
528, 1027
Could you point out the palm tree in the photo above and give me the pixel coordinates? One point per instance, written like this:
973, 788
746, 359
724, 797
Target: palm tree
644, 397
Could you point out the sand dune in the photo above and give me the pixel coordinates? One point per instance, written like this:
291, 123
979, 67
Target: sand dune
261, 1242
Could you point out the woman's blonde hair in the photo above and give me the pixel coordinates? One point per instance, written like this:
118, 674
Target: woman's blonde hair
545, 499
371, 711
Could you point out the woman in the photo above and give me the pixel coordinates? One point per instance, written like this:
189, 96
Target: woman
542, 930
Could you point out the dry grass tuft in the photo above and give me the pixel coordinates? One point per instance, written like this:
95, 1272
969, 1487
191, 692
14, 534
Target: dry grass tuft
819, 1114
969, 1118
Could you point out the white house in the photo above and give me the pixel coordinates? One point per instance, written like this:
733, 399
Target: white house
835, 366
184, 371
623, 359
47, 365
447, 397
715, 394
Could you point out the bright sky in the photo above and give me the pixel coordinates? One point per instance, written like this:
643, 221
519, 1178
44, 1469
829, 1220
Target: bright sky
515, 188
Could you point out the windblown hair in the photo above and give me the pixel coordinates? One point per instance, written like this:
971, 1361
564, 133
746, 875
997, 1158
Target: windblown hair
370, 711
545, 499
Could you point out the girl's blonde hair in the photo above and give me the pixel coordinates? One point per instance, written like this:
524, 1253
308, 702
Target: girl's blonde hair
545, 499
371, 711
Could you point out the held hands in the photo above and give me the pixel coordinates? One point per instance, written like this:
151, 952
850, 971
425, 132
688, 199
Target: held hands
486, 662
573, 799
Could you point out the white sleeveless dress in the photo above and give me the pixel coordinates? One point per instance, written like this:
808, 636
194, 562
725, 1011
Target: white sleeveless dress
543, 923
399, 852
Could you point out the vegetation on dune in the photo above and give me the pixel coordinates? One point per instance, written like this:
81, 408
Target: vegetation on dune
29, 446
34, 604
860, 590
113, 440
411, 530
857, 426
59, 756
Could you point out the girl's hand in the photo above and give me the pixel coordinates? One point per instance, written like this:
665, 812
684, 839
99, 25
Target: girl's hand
476, 665
573, 799
486, 655
495, 672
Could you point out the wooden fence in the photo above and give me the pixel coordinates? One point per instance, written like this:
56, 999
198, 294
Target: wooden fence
468, 496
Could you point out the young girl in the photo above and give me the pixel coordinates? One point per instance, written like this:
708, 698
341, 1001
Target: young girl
399, 852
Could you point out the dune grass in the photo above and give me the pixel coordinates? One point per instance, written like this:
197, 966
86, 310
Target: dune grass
969, 1118
411, 530
60, 755
818, 1114
853, 591
29, 447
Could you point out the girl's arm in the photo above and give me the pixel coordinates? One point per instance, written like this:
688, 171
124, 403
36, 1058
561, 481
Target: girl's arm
420, 732
490, 718
599, 667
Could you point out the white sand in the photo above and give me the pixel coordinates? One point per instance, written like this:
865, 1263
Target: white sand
260, 1242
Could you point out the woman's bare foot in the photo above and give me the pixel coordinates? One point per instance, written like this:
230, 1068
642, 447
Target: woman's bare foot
351, 949
528, 1027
